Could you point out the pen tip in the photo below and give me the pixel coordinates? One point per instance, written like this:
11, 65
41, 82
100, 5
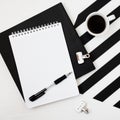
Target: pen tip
69, 74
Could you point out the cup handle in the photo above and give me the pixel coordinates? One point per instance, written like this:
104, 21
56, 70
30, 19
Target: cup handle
111, 17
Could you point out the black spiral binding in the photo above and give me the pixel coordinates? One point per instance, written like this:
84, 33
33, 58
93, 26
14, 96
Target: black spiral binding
34, 29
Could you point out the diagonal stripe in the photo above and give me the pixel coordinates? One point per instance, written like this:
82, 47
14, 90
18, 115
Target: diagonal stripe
117, 104
86, 37
106, 9
105, 81
112, 99
99, 63
95, 42
109, 90
116, 12
105, 46
94, 7
97, 76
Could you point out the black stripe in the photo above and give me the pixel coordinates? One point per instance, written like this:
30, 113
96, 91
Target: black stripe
97, 76
109, 90
117, 104
94, 7
86, 37
116, 12
105, 46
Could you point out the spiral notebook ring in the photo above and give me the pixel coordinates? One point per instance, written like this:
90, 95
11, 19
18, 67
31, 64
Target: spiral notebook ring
34, 29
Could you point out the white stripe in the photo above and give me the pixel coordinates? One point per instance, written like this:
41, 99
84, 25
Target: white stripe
81, 6
109, 7
104, 82
111, 100
102, 60
96, 41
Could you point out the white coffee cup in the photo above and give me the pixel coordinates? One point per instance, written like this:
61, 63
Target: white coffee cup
106, 20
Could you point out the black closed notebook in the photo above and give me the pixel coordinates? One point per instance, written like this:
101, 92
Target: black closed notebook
55, 13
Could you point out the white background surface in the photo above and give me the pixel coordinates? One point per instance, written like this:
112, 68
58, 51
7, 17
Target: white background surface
12, 106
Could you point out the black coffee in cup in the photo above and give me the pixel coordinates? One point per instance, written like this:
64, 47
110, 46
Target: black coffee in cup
96, 24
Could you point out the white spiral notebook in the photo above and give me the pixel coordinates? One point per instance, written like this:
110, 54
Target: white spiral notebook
41, 56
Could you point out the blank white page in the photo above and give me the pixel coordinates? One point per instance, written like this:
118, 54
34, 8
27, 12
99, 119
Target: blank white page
41, 57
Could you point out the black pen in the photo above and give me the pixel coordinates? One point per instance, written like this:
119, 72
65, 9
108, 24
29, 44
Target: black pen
43, 91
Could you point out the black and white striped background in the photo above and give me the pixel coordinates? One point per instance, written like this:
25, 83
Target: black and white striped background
103, 83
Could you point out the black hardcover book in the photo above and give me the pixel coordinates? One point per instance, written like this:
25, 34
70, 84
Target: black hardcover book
55, 13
